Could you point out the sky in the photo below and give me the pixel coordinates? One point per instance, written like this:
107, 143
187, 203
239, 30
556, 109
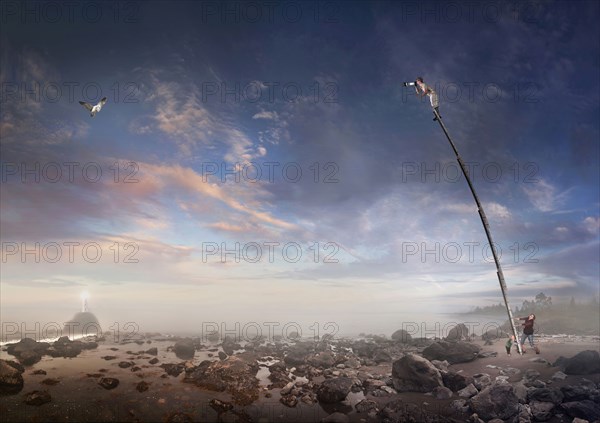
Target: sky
263, 162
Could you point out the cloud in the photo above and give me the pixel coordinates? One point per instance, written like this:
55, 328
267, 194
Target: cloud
544, 196
266, 115
592, 224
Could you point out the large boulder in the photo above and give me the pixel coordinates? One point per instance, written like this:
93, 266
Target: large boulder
541, 411
585, 409
322, 360
584, 363
185, 349
553, 395
459, 332
11, 377
456, 381
453, 352
413, 373
497, 401
334, 390
402, 336
232, 375
64, 347
575, 393
364, 349
28, 351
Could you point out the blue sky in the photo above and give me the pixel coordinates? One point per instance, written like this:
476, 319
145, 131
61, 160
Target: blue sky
194, 85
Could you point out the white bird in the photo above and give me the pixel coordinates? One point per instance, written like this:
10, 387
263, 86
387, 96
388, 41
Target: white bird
93, 109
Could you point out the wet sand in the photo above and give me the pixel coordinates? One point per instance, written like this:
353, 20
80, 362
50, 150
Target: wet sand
78, 397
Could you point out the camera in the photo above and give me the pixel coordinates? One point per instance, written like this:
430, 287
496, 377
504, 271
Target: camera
407, 84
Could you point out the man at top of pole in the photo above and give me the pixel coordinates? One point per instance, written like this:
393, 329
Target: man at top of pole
423, 89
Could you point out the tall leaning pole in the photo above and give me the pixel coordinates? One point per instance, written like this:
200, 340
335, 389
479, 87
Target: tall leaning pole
486, 226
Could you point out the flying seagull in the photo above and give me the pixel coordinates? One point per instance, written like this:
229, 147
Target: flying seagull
93, 109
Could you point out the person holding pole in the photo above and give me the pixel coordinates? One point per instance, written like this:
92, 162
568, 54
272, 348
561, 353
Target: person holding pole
528, 332
423, 89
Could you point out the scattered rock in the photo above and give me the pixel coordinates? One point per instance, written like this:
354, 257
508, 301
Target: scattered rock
222, 355
415, 373
185, 349
585, 409
553, 395
334, 390
152, 351
559, 376
453, 352
495, 401
232, 375
28, 351
142, 386
575, 393
37, 398
456, 381
441, 365
481, 380
179, 417
173, 369
381, 356
336, 417
11, 377
153, 361
126, 364
541, 411
584, 363
459, 332
50, 381
289, 400
468, 391
108, 357
402, 336
366, 406
220, 406
459, 406
322, 360
441, 392
38, 372
540, 360
108, 382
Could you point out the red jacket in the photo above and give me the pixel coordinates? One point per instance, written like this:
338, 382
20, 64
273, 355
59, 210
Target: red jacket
527, 325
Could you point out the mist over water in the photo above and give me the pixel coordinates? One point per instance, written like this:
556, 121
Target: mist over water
344, 325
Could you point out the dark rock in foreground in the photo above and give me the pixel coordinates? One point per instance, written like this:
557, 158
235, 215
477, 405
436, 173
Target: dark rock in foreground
334, 390
173, 369
11, 377
37, 398
453, 352
584, 363
456, 381
586, 409
415, 374
142, 386
232, 375
497, 401
108, 382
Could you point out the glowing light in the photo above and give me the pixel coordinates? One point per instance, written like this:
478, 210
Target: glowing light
84, 299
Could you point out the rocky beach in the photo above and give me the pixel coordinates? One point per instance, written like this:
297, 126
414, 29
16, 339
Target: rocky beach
155, 377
